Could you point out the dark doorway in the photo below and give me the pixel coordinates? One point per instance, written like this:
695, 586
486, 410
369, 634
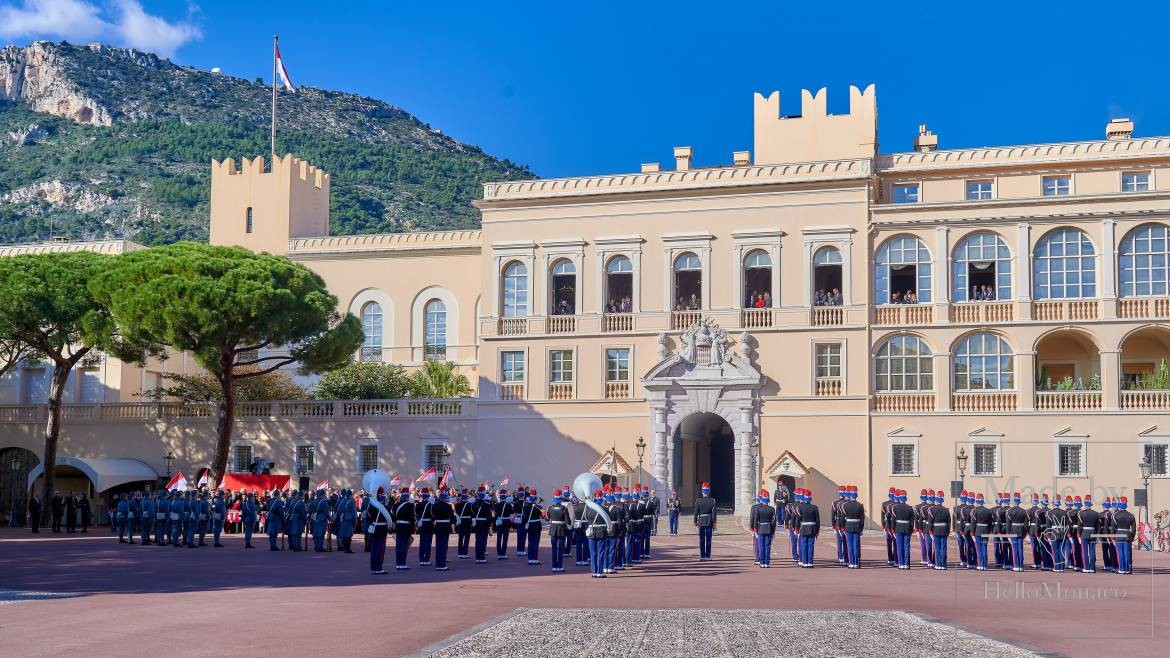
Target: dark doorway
981, 274
903, 279
827, 278
705, 452
15, 464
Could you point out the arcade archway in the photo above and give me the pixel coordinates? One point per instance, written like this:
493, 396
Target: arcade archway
704, 451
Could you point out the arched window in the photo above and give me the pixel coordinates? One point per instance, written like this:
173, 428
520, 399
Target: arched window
903, 273
688, 282
904, 363
515, 290
1144, 261
564, 288
827, 277
757, 279
372, 328
248, 220
981, 269
436, 331
1063, 266
984, 362
619, 285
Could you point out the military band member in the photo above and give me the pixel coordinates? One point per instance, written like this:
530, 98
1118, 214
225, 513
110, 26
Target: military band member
319, 518
940, 522
531, 514
363, 507
559, 518
1089, 519
706, 520
203, 516
762, 522
1106, 526
503, 511
518, 502
425, 522
463, 510
162, 518
1058, 529
613, 532
634, 526
1017, 526
596, 531
444, 515
274, 520
481, 524
248, 517
123, 507
404, 515
905, 523
982, 521
1075, 554
1124, 523
854, 525
673, 511
580, 538
175, 516
218, 516
837, 521
377, 528
567, 499
810, 527
891, 545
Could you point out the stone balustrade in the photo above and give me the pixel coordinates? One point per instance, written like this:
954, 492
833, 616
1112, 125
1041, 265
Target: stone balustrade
247, 410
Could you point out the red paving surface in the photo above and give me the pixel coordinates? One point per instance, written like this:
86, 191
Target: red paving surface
229, 601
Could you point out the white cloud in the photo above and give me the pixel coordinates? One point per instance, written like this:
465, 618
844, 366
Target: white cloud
120, 23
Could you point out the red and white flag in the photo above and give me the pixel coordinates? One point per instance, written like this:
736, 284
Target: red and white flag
283, 72
486, 485
204, 479
428, 474
505, 481
395, 481
446, 476
323, 484
179, 482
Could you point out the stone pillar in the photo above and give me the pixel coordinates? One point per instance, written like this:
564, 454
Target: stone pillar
1110, 380
1026, 380
1107, 266
1023, 279
941, 276
660, 463
942, 381
744, 459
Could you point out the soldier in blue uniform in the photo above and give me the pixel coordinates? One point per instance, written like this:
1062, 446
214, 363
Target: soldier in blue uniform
176, 518
405, 520
502, 513
982, 521
837, 521
762, 522
1017, 527
298, 516
146, 517
706, 519
345, 516
190, 518
559, 518
1089, 519
274, 516
580, 541
531, 515
162, 518
854, 525
891, 545
122, 509
940, 523
444, 515
673, 511
319, 517
218, 516
904, 520
810, 527
425, 522
612, 532
1075, 555
248, 514
1124, 523
1105, 526
481, 524
203, 509
596, 531
1034, 531
649, 508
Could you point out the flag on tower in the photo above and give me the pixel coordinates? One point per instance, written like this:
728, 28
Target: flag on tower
283, 72
179, 482
428, 474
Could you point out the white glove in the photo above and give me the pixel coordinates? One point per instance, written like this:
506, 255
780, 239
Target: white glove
370, 530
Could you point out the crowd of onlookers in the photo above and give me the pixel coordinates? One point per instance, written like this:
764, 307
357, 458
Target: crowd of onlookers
908, 297
623, 305
827, 297
757, 300
982, 294
692, 303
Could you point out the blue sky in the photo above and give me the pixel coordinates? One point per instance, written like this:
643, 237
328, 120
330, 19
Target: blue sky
581, 88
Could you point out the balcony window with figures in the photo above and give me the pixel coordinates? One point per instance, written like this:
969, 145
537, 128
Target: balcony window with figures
981, 269
757, 279
827, 277
902, 273
688, 282
619, 285
563, 280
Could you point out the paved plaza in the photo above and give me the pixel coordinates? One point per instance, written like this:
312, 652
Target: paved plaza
89, 595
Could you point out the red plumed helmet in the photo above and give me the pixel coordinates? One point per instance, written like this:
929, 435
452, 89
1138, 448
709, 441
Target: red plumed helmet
405, 490
598, 494
557, 493
481, 490
705, 485
763, 492
425, 490
921, 493
381, 491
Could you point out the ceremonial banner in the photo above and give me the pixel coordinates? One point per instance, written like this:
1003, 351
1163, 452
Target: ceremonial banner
428, 474
179, 482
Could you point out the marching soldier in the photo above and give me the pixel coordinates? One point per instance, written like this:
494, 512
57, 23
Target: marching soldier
1017, 527
983, 520
346, 518
656, 511
792, 522
248, 516
123, 521
176, 518
1043, 518
319, 517
940, 522
377, 527
580, 538
203, 509
957, 525
1089, 520
810, 527
463, 512
891, 544
853, 525
503, 511
531, 514
425, 522
218, 516
567, 499
518, 503
633, 526
298, 515
1106, 526
162, 518
1124, 524
706, 520
146, 517
274, 519
649, 521
673, 511
1034, 531
596, 531
559, 516
444, 515
904, 520
762, 522
780, 499
613, 532
1059, 521
1074, 534
405, 517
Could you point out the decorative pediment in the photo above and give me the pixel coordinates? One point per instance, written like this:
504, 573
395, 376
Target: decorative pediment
704, 356
984, 433
1067, 433
611, 463
786, 464
903, 433
1153, 431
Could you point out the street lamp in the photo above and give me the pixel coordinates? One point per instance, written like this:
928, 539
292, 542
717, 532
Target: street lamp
1147, 470
170, 457
12, 518
961, 460
641, 446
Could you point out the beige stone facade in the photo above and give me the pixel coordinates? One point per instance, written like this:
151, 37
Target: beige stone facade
565, 309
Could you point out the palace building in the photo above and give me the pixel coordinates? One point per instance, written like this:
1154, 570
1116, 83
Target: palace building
815, 311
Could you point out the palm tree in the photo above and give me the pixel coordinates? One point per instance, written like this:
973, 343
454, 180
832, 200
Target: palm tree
438, 379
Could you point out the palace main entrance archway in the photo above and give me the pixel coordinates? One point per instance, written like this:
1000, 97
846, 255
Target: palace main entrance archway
704, 405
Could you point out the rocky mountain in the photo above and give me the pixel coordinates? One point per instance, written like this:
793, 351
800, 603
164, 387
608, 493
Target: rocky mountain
110, 142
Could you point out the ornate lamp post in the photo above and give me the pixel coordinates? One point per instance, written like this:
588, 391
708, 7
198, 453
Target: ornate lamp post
170, 458
13, 517
641, 446
1147, 470
961, 460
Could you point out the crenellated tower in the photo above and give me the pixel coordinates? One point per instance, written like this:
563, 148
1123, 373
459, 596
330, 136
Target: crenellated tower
814, 134
261, 210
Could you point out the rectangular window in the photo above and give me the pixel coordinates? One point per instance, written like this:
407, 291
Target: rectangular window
906, 193
248, 221
985, 459
1071, 460
306, 458
978, 190
242, 458
828, 360
1057, 185
617, 365
902, 459
1135, 181
1156, 455
512, 367
560, 366
367, 457
436, 455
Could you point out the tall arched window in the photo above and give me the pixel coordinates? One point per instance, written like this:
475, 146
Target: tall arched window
757, 279
372, 328
904, 363
564, 288
619, 285
248, 220
903, 272
515, 290
1063, 266
827, 277
436, 331
984, 362
981, 269
1144, 261
688, 282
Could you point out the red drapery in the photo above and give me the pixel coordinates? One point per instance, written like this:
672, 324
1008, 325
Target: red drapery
236, 481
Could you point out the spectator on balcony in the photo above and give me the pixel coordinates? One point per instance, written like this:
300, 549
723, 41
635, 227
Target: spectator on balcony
750, 302
761, 302
767, 299
693, 303
910, 297
627, 305
611, 307
895, 298
563, 308
835, 297
821, 298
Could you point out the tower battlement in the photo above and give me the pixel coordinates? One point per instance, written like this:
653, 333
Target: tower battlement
814, 134
263, 207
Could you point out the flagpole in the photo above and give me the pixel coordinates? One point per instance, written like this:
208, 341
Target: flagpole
273, 135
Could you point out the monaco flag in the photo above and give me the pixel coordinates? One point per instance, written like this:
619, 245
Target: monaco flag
505, 481
428, 474
283, 72
395, 481
204, 480
179, 482
446, 476
323, 484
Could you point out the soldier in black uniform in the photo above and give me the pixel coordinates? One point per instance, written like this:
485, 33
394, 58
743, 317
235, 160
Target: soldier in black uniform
481, 524
376, 525
1058, 522
810, 526
649, 521
904, 521
596, 531
559, 518
762, 522
656, 511
920, 530
1105, 525
530, 516
1034, 531
444, 516
853, 524
1089, 522
673, 511
405, 518
580, 539
792, 522
891, 547
463, 511
706, 519
837, 520
957, 524
1074, 534
1124, 524
940, 522
502, 512
1017, 527
780, 499
521, 531
634, 512
617, 535
983, 520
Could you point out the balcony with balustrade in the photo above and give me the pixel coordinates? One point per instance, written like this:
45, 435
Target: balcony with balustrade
983, 312
1145, 373
903, 314
245, 410
617, 390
